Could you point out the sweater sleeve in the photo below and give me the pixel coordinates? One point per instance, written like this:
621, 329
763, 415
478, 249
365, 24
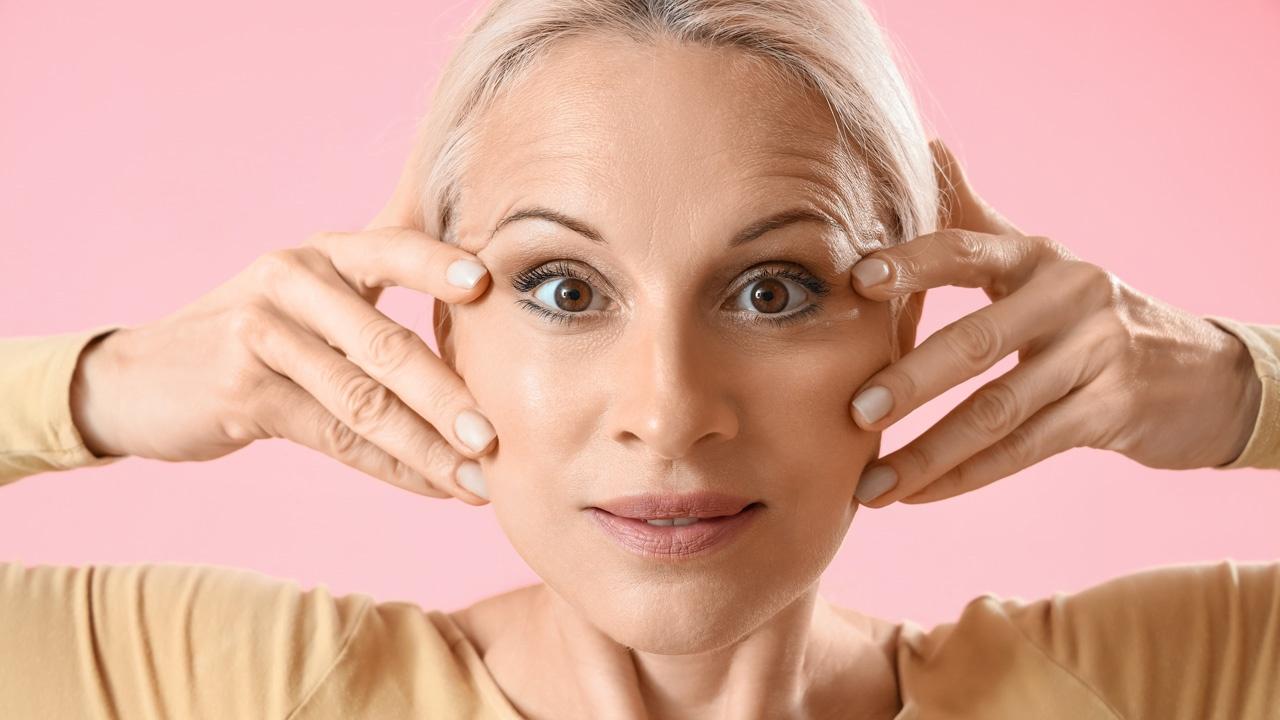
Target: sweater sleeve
164, 641
1179, 642
1263, 342
36, 431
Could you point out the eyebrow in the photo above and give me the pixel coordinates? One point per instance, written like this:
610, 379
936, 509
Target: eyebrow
743, 236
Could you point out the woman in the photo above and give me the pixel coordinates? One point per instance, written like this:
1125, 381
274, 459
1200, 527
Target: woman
683, 247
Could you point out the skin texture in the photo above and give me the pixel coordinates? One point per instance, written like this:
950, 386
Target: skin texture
666, 384
1101, 364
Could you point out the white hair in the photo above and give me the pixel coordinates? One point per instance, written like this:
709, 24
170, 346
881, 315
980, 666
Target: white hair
832, 46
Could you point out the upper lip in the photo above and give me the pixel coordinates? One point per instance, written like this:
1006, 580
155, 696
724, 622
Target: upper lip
653, 506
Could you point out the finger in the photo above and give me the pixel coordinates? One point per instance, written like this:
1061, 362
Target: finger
969, 346
990, 414
308, 423
962, 207
997, 263
386, 351
362, 403
403, 257
1057, 428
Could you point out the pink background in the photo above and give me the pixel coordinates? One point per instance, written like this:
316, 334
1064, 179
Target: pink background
149, 153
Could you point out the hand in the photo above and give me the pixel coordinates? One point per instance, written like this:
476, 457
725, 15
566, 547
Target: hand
294, 348
1099, 364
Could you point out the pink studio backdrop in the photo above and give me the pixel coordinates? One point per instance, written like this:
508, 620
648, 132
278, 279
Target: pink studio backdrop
148, 153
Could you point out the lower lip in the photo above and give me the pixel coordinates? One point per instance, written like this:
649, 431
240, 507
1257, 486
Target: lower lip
669, 542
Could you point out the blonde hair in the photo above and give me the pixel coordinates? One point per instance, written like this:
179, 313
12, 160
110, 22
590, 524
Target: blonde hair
832, 46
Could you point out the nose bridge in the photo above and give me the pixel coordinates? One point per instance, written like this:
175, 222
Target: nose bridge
669, 397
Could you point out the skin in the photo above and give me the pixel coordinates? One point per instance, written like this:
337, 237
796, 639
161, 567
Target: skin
668, 151
666, 382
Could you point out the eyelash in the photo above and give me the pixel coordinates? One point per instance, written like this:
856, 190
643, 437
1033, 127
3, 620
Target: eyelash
529, 279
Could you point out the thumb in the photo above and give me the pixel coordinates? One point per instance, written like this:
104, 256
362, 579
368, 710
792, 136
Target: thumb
961, 206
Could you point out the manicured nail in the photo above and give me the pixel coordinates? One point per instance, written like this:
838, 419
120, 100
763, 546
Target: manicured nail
473, 429
471, 477
875, 482
871, 271
873, 403
464, 273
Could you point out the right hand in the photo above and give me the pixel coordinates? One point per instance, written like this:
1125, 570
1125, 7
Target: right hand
293, 348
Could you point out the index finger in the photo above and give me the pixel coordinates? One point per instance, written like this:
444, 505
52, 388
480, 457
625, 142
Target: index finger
999, 264
405, 257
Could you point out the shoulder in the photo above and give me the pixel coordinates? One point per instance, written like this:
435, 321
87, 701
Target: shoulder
1104, 651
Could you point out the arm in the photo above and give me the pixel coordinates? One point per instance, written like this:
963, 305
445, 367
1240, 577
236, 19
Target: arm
164, 641
1183, 641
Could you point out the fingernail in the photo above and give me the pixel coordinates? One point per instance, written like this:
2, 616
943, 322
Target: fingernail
873, 403
871, 271
875, 482
473, 429
464, 273
471, 477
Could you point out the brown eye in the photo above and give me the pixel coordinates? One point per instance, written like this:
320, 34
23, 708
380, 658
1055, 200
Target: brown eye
567, 294
772, 295
769, 295
573, 295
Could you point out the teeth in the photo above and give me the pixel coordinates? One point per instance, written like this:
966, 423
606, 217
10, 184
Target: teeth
673, 521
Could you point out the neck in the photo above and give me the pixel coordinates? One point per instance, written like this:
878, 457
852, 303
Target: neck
807, 661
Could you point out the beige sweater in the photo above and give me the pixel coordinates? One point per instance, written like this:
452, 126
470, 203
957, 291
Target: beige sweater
185, 641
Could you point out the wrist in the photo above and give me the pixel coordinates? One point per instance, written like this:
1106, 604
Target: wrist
91, 386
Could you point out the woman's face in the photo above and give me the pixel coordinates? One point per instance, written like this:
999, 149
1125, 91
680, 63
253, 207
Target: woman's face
669, 363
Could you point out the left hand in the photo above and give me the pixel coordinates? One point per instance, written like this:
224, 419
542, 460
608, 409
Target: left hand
1099, 364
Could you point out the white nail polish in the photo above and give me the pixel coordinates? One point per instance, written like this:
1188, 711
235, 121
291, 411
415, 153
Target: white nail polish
464, 273
473, 429
876, 482
873, 403
471, 477
871, 271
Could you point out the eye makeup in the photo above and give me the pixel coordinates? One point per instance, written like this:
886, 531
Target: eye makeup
530, 280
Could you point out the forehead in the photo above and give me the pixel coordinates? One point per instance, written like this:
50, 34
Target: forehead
664, 134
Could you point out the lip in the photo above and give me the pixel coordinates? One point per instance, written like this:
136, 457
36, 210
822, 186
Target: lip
654, 506
714, 529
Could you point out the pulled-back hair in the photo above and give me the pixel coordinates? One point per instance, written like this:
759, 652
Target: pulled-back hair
834, 47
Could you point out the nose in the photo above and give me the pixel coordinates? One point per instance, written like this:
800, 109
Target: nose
672, 394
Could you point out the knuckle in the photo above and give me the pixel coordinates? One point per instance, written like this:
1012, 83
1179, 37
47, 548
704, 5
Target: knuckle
1051, 248
388, 344
341, 440
1019, 447
276, 266
367, 402
439, 460
968, 247
1093, 283
974, 341
249, 322
995, 410
918, 458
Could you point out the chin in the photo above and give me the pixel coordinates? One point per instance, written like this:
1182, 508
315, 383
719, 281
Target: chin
692, 617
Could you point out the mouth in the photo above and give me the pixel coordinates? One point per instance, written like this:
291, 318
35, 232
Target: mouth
677, 519
675, 537
668, 508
